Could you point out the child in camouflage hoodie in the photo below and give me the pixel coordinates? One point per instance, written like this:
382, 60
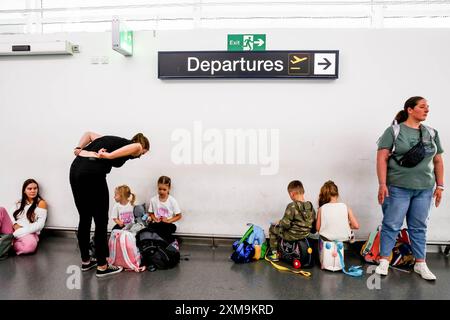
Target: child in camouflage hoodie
297, 222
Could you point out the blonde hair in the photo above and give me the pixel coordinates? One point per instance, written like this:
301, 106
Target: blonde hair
126, 194
328, 190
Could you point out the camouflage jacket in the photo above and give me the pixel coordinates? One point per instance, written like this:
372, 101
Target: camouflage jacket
298, 220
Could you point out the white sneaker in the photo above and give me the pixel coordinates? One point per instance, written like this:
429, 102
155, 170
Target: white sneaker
383, 267
422, 269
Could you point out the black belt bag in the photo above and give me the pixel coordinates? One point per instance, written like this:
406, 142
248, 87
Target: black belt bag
414, 155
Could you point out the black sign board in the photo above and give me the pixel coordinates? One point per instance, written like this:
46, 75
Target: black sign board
312, 64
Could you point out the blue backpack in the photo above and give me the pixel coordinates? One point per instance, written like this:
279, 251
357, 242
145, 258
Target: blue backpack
244, 248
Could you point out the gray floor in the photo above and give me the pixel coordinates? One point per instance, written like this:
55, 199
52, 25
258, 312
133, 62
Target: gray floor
208, 274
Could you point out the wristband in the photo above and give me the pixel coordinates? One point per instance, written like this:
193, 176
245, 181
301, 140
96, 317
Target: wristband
77, 148
440, 187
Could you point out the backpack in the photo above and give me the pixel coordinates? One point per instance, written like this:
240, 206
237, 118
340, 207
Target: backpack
243, 252
123, 251
157, 251
6, 242
370, 251
401, 255
299, 253
251, 246
139, 212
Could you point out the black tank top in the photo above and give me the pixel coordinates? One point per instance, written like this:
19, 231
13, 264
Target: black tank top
102, 166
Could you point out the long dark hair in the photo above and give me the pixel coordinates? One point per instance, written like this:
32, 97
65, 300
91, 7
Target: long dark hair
23, 202
402, 115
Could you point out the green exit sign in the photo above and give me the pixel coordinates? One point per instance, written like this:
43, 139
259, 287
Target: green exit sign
122, 38
246, 42
126, 41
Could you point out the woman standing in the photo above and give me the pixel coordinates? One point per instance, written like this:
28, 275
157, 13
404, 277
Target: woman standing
27, 219
410, 173
95, 157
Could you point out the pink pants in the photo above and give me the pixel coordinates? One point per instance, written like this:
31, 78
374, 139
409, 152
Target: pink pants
22, 245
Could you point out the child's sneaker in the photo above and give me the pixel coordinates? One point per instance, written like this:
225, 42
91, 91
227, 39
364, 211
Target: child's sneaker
383, 267
272, 256
110, 270
92, 264
422, 269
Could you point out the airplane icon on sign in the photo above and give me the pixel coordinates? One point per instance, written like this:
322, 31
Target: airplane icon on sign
297, 60
298, 63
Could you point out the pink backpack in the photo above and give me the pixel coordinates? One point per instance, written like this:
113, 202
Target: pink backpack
123, 251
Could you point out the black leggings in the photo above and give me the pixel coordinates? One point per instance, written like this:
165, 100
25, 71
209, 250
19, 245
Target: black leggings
91, 195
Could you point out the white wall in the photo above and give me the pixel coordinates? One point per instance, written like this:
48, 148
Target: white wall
328, 128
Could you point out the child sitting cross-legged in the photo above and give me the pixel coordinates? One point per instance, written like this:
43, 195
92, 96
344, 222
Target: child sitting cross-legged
164, 210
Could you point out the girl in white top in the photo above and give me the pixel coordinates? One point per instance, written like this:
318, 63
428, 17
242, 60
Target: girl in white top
28, 218
335, 220
163, 207
122, 211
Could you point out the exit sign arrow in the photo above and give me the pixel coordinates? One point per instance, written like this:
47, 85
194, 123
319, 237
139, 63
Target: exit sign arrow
259, 42
327, 63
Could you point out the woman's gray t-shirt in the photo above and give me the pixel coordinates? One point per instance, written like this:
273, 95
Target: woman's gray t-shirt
419, 177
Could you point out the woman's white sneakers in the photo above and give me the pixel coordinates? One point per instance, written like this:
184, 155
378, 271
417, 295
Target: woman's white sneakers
383, 267
422, 269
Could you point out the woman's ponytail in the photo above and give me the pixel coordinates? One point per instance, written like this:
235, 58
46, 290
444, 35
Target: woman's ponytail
401, 116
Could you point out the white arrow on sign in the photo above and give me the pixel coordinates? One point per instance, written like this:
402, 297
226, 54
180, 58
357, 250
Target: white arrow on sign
260, 42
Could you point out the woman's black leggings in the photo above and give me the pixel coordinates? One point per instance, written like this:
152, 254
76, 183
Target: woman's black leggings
91, 195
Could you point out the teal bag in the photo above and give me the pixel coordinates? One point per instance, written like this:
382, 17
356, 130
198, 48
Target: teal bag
6, 242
